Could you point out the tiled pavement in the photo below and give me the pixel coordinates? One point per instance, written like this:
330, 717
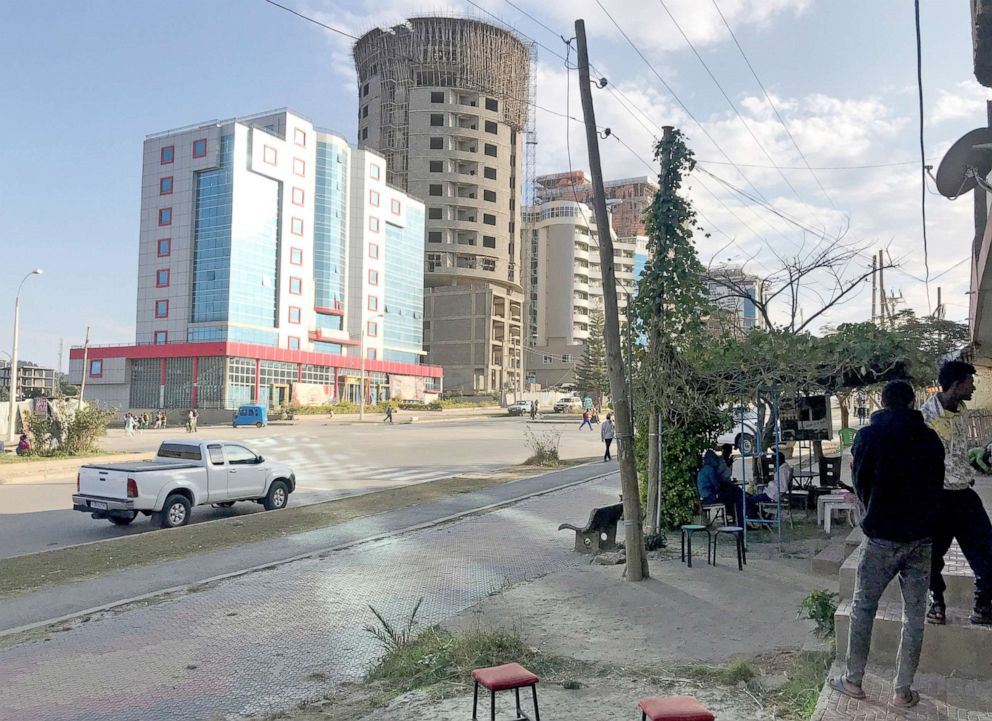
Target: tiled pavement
941, 699
268, 640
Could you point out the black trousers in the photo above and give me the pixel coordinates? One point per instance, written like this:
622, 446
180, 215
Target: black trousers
962, 516
608, 442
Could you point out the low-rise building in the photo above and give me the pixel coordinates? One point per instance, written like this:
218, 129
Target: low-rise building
32, 380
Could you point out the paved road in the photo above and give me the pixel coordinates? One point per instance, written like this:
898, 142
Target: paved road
331, 461
266, 641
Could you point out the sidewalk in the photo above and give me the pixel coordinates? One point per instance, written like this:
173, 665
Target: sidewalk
266, 641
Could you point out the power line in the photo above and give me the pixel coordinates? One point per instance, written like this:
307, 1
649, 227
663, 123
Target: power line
733, 106
923, 155
312, 20
768, 97
819, 167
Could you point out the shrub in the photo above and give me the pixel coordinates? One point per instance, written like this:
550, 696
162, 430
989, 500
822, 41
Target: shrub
820, 607
544, 448
86, 425
683, 456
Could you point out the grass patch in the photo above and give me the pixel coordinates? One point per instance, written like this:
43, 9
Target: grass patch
13, 458
729, 675
436, 656
796, 700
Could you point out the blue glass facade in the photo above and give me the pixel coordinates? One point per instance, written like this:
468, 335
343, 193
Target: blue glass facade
233, 334
329, 241
404, 291
234, 264
322, 347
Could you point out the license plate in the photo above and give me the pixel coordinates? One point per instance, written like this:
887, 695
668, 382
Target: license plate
98, 504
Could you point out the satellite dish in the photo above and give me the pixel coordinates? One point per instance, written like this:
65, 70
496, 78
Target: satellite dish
968, 160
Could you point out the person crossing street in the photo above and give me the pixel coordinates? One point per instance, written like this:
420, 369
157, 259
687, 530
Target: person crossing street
607, 432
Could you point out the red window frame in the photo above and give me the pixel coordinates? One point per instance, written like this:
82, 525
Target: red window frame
373, 276
295, 253
299, 314
295, 223
299, 196
300, 137
395, 207
168, 277
161, 155
373, 303
371, 354
165, 337
374, 198
89, 370
290, 342
372, 329
168, 247
373, 224
299, 281
204, 153
163, 315
265, 155
374, 250
300, 167
161, 185
161, 222
374, 171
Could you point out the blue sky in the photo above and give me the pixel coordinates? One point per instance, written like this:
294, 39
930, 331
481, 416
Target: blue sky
85, 82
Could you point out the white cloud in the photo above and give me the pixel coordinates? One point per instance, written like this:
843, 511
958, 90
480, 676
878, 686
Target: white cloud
966, 100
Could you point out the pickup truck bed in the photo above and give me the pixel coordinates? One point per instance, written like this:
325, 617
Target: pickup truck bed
142, 466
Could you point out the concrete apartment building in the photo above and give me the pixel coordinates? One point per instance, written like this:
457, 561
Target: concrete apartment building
633, 196
31, 380
444, 100
565, 285
271, 255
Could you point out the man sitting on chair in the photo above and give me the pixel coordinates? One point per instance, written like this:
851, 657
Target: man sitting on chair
778, 486
714, 489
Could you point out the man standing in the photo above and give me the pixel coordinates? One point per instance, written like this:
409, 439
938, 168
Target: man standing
962, 515
607, 433
586, 420
898, 472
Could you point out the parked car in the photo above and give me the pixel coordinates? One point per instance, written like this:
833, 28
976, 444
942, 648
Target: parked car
183, 474
256, 416
519, 408
744, 434
570, 404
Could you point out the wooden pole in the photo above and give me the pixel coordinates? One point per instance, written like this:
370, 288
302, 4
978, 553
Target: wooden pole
874, 286
884, 305
86, 354
637, 564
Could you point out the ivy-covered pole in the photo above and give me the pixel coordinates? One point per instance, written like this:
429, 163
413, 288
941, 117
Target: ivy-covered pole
637, 563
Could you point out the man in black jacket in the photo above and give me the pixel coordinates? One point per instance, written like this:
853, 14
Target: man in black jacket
898, 474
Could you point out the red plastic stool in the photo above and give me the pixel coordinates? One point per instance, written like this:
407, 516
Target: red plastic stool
503, 678
673, 708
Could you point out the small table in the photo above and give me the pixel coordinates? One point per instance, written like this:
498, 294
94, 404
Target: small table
832, 497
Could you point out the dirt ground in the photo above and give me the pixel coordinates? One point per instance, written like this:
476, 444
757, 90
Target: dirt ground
622, 641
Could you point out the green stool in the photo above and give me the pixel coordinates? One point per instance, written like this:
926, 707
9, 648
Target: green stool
687, 531
847, 438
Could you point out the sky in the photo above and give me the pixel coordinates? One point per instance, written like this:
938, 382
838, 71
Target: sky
84, 83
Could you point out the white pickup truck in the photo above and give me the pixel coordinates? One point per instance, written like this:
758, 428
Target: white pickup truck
183, 474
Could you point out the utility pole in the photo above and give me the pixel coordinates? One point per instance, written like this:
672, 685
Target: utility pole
881, 288
637, 564
86, 356
874, 285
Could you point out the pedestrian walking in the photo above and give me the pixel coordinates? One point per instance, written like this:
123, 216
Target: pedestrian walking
389, 414
607, 432
898, 472
533, 410
586, 420
194, 415
962, 517
128, 425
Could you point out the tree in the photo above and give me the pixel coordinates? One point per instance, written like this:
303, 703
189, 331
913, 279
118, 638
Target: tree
591, 376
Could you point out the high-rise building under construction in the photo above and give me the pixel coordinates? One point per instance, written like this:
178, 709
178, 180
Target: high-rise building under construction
445, 101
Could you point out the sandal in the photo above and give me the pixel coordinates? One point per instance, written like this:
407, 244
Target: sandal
903, 702
937, 613
840, 685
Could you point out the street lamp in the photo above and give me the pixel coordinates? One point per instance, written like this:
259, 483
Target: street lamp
12, 417
361, 400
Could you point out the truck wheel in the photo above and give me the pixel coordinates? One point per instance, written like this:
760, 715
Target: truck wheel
175, 512
123, 520
258, 424
745, 443
277, 497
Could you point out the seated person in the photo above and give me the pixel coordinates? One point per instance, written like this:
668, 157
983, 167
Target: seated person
779, 484
727, 456
23, 445
714, 489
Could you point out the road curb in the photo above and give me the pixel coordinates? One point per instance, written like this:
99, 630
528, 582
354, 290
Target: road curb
39, 471
310, 554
